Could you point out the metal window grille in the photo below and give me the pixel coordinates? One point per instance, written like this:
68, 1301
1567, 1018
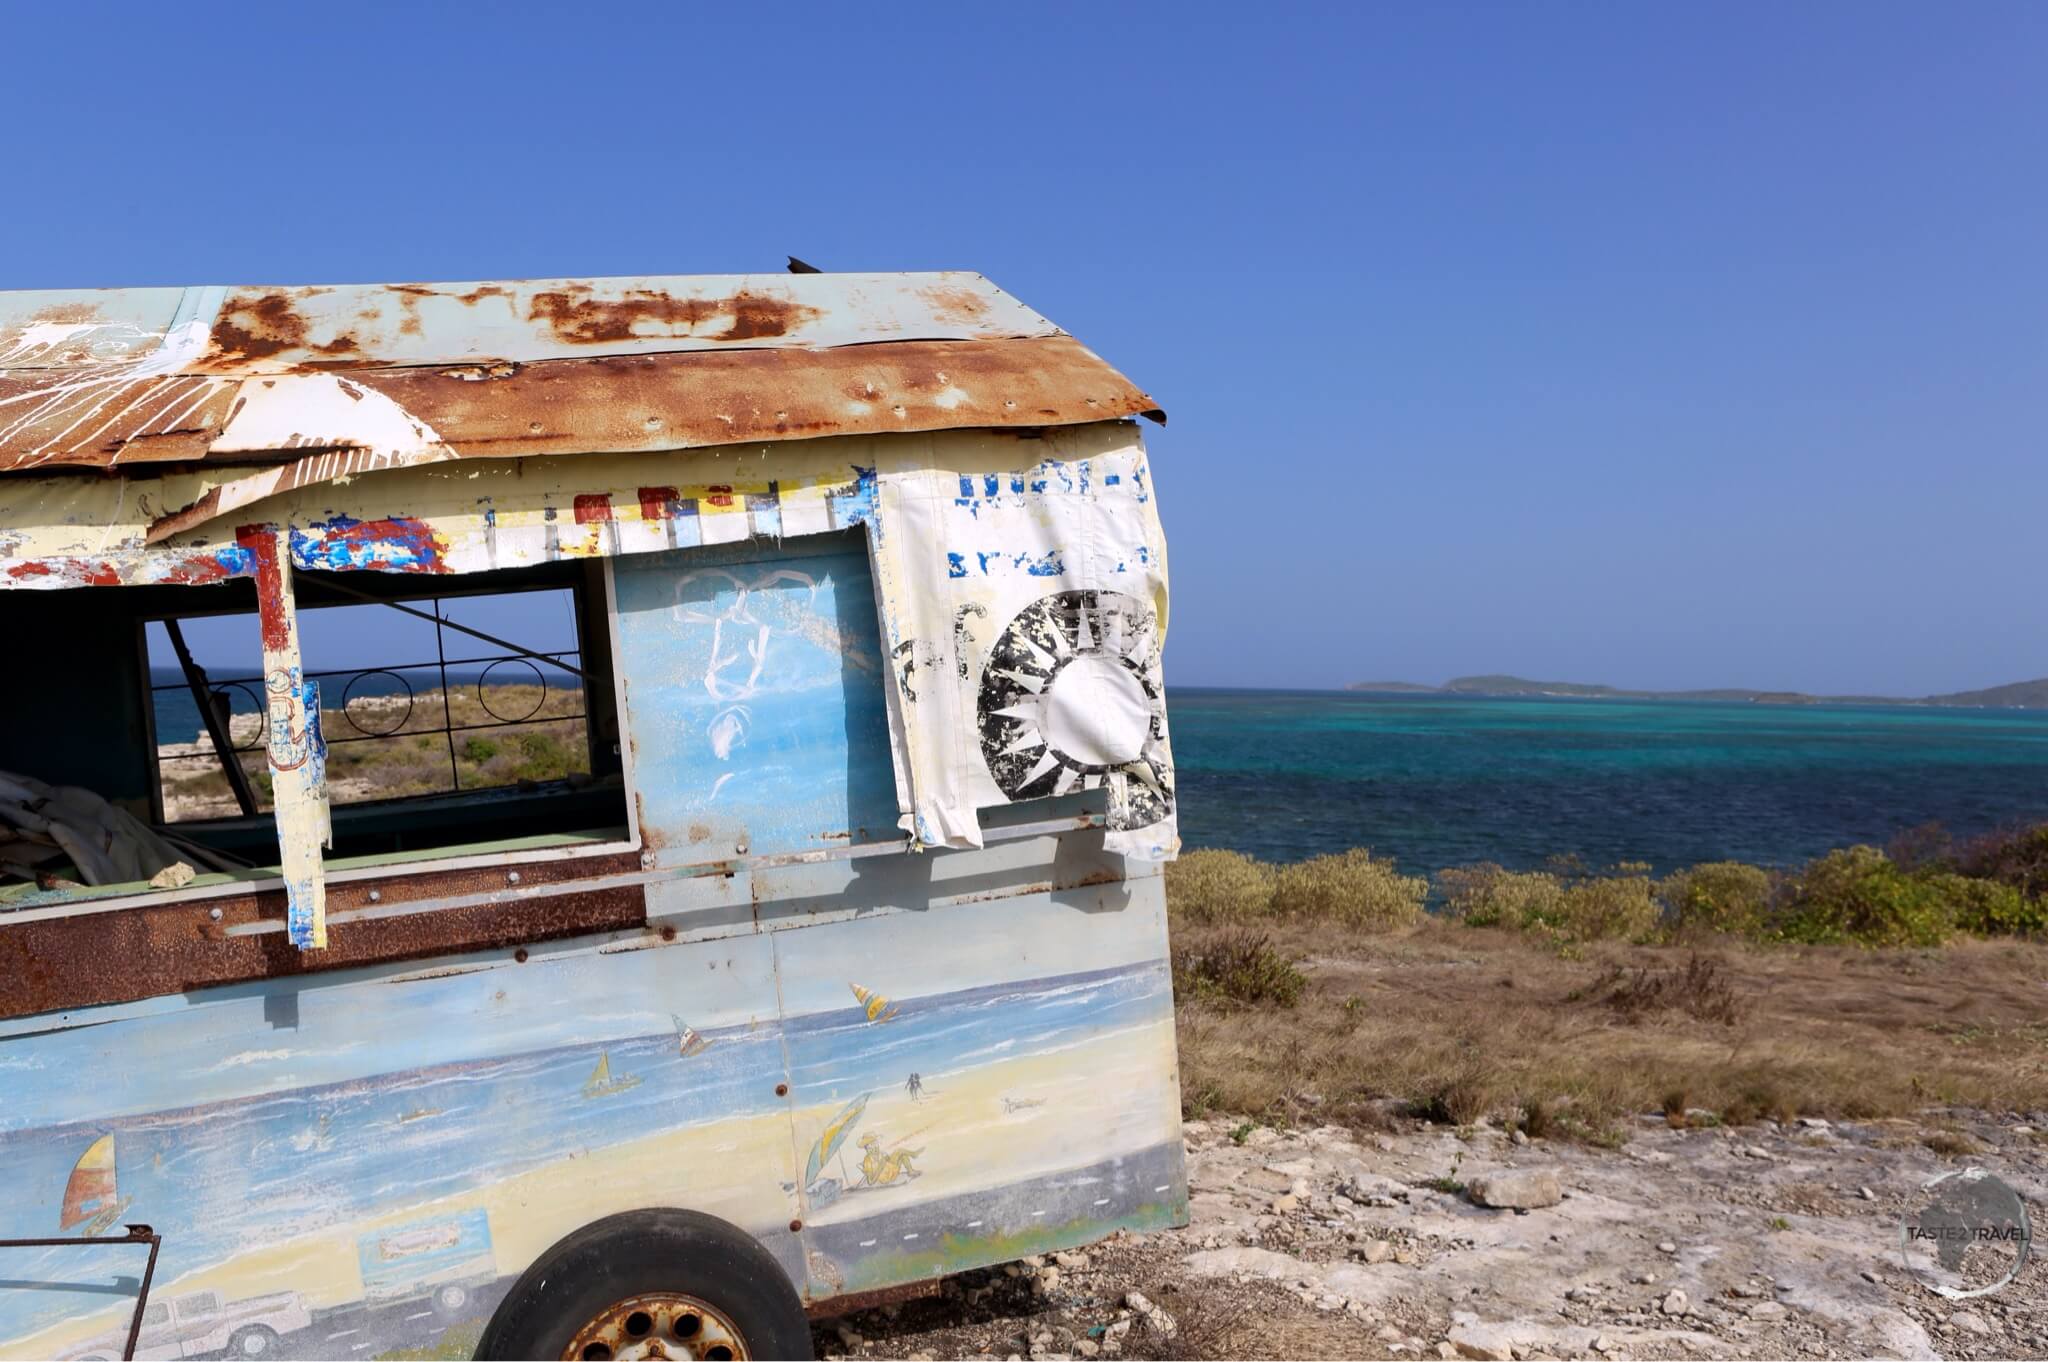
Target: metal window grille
251, 687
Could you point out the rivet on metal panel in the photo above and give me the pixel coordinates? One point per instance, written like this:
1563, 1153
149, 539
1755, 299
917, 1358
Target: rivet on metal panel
668, 933
511, 877
795, 1225
520, 955
214, 913
782, 1089
740, 846
376, 895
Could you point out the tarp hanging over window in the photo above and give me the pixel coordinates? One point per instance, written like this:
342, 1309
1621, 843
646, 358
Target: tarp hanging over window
1026, 609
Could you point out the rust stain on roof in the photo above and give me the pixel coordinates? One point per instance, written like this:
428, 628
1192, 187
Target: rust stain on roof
578, 317
203, 376
954, 303
270, 324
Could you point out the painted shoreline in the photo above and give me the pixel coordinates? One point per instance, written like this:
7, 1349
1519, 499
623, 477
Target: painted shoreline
1123, 1106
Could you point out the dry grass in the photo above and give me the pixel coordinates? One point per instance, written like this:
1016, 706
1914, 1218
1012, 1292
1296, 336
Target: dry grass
1454, 1023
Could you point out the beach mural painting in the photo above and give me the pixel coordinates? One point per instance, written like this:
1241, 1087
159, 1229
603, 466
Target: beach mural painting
401, 1154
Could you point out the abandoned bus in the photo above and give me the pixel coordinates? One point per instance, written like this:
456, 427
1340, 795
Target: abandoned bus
569, 818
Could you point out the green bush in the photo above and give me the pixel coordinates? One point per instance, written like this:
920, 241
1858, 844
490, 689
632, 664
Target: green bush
1486, 895
1988, 908
479, 750
1719, 896
1351, 888
1239, 966
1580, 907
1218, 886
1620, 905
1856, 896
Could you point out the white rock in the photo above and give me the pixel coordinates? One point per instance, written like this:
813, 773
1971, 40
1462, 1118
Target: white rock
1299, 1189
1813, 1123
1519, 1189
1378, 1251
1866, 1194
1677, 1303
1285, 1205
1667, 1247
1519, 1137
1138, 1301
1767, 1310
1073, 1262
1482, 1341
1970, 1322
1087, 1347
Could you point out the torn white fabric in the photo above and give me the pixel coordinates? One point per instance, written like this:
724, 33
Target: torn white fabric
1026, 607
107, 845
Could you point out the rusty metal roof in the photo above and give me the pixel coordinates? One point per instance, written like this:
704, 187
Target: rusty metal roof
392, 374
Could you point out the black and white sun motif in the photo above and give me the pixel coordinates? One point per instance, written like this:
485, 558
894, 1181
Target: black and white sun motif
1071, 700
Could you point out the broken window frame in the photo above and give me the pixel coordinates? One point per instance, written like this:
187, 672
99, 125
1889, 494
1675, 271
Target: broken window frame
456, 857
568, 660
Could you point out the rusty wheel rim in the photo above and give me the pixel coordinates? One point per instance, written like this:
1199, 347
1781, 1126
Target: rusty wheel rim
665, 1324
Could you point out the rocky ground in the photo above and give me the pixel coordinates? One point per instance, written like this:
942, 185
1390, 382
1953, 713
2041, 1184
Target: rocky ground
1758, 1241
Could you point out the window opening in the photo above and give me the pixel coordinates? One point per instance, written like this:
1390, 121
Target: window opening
439, 712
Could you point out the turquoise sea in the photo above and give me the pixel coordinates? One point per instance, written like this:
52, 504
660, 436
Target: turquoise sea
1449, 780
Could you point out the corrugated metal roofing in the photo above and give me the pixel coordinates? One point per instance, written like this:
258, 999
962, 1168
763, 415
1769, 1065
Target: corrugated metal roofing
393, 374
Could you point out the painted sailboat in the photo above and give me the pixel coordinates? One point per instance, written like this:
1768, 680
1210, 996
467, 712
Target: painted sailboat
602, 1084
688, 1042
91, 1198
879, 1009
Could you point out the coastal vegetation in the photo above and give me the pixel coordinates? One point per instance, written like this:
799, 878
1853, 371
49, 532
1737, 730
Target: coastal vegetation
389, 747
1866, 983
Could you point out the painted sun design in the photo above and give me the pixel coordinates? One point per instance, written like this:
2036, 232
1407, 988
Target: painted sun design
1071, 700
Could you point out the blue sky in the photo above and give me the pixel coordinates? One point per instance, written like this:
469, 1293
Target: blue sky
1639, 344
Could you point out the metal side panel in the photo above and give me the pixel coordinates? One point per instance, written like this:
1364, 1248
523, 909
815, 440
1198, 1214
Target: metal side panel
981, 1081
364, 1161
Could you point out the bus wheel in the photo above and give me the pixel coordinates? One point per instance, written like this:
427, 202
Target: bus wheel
662, 1283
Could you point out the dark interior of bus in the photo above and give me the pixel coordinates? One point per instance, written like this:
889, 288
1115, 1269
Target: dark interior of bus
445, 736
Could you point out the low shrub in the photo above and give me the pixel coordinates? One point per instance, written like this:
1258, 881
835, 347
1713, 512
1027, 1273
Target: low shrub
1239, 966
1583, 907
1719, 896
1617, 906
1857, 896
2017, 857
1700, 989
1218, 886
1486, 895
1352, 888
1984, 907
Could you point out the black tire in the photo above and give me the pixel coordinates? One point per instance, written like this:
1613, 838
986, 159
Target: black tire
639, 1253
262, 1335
449, 1299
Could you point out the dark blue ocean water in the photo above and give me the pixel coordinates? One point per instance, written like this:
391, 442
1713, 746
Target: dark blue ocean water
1444, 780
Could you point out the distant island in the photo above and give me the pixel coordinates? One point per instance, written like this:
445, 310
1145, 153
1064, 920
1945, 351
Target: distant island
2018, 695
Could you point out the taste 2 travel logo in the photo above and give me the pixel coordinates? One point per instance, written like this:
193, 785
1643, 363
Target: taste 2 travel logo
1966, 1235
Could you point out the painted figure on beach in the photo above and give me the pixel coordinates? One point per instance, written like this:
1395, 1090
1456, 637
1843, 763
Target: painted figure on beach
914, 1085
878, 1169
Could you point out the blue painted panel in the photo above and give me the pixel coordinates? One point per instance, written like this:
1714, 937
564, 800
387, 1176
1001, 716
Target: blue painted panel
754, 699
